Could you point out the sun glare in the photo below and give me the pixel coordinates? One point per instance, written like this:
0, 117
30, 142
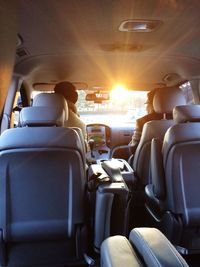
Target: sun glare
119, 92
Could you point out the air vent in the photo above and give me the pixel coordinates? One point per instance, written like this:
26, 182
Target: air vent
139, 25
22, 52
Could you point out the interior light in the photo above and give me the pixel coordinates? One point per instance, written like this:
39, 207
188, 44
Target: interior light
140, 25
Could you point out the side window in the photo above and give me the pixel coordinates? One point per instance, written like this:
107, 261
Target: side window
21, 100
187, 90
16, 110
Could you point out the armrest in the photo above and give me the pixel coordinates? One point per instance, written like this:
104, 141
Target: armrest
120, 170
116, 251
95, 171
96, 176
155, 249
113, 171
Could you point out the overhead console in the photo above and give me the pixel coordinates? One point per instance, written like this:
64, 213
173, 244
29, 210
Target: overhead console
99, 137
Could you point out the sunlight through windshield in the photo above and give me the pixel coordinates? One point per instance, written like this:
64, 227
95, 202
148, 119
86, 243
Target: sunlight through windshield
124, 107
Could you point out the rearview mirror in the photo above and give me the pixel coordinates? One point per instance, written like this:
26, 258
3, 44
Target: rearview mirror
98, 97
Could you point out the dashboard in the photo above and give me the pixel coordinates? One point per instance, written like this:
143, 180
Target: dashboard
102, 139
99, 136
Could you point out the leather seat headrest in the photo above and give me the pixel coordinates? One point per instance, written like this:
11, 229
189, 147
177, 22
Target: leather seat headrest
51, 100
41, 116
186, 113
167, 98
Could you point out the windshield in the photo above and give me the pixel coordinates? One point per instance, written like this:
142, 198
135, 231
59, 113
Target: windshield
121, 109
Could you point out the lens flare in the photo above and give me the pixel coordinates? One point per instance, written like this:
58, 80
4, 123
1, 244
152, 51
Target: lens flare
119, 92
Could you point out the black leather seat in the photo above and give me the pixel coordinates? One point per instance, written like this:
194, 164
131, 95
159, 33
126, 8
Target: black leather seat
53, 100
42, 191
146, 247
164, 101
173, 198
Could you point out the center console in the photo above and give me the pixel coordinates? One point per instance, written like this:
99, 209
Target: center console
111, 181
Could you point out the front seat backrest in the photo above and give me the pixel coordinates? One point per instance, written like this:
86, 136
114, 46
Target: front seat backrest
177, 210
181, 154
164, 101
53, 100
42, 189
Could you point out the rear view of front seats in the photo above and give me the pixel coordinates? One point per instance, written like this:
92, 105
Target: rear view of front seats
172, 199
164, 101
43, 191
53, 100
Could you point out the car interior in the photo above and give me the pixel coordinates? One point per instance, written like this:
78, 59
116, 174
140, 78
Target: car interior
75, 188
